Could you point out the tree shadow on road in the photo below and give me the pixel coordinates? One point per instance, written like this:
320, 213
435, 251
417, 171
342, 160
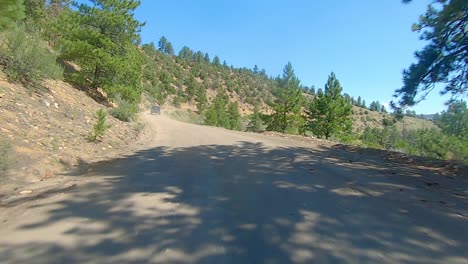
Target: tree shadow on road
243, 203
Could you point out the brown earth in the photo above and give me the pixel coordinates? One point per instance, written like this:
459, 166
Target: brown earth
196, 194
45, 133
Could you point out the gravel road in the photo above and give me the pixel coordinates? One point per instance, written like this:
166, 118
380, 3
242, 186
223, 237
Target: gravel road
198, 194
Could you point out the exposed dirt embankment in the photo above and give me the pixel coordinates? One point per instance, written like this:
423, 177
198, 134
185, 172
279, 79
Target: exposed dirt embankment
42, 134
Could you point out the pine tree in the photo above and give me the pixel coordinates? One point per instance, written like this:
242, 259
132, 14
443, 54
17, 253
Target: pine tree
216, 114
100, 127
162, 44
233, 116
287, 115
169, 49
330, 114
201, 98
186, 53
374, 106
192, 88
454, 121
312, 90
444, 58
256, 122
101, 39
319, 92
11, 11
207, 58
255, 69
216, 61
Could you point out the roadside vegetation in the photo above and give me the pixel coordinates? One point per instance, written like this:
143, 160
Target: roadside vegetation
97, 45
99, 129
4, 154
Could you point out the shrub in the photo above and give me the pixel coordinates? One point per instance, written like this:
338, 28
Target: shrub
25, 58
388, 122
4, 151
125, 111
100, 127
176, 102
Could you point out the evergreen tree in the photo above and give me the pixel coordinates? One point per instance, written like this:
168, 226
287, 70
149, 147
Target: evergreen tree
186, 53
359, 101
198, 57
319, 92
216, 61
454, 121
256, 122
101, 39
207, 58
287, 115
192, 88
216, 114
375, 106
162, 44
233, 116
312, 91
444, 58
201, 98
11, 11
169, 49
330, 113
255, 69
383, 109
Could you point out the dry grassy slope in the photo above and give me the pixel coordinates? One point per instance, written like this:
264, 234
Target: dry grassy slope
48, 132
365, 118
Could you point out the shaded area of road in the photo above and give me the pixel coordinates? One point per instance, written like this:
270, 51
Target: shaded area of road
246, 202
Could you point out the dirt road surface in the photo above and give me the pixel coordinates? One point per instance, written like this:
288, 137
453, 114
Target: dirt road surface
199, 194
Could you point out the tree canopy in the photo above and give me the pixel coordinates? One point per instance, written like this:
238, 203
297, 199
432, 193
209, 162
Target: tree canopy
287, 107
444, 59
330, 113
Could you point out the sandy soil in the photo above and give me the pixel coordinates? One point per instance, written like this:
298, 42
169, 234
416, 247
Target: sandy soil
199, 194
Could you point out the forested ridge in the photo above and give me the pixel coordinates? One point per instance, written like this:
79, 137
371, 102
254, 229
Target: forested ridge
96, 45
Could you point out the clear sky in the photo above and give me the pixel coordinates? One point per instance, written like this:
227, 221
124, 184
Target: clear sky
367, 43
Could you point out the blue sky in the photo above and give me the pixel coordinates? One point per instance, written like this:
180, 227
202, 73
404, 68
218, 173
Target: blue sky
367, 43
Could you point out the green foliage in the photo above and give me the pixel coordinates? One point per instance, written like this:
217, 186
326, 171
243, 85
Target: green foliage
26, 59
165, 46
216, 114
216, 61
381, 138
201, 98
388, 122
176, 101
11, 11
100, 127
101, 39
330, 113
256, 123
375, 106
5, 148
221, 113
443, 59
423, 142
125, 111
287, 116
233, 116
454, 121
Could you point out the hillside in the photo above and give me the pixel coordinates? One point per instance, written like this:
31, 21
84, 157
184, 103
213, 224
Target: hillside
42, 134
364, 118
171, 87
180, 81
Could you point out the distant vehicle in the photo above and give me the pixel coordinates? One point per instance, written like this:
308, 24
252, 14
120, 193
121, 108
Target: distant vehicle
155, 110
